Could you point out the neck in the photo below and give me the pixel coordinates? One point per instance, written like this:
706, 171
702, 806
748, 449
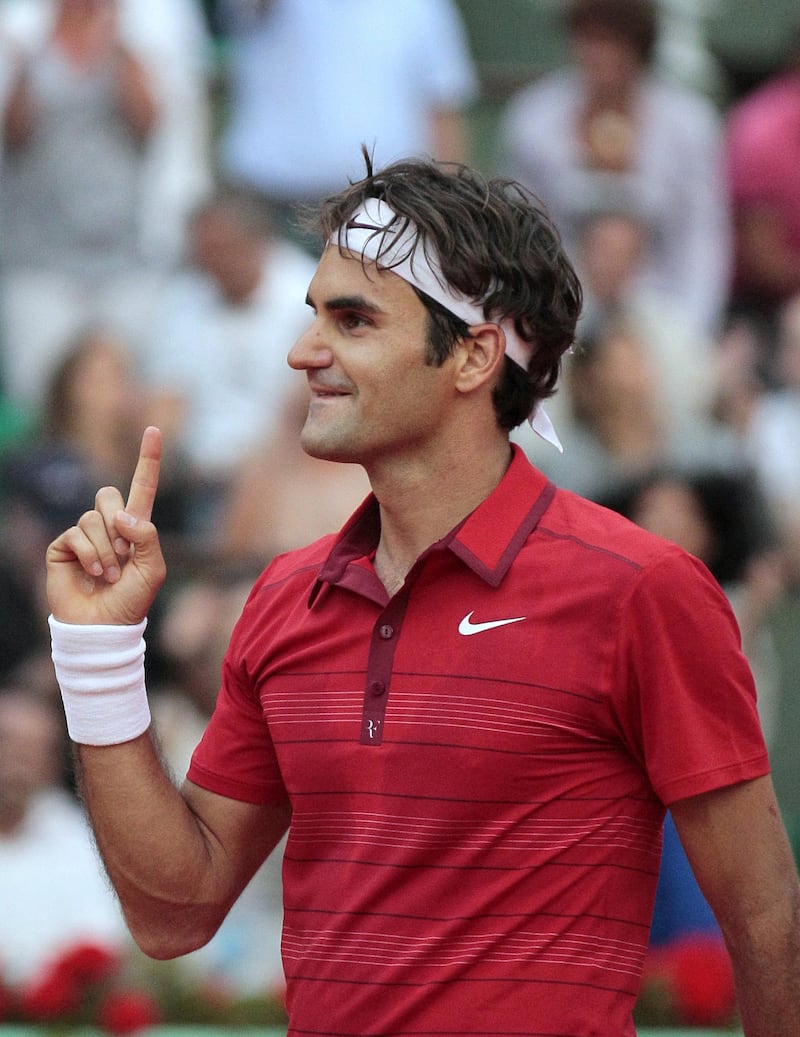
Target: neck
618, 95
420, 504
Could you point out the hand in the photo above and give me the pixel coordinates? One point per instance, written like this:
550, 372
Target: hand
109, 567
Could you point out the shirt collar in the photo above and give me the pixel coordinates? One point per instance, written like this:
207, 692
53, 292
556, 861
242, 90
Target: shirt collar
487, 540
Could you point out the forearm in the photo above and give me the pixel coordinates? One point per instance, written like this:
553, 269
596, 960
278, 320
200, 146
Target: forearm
159, 857
178, 858
766, 962
752, 885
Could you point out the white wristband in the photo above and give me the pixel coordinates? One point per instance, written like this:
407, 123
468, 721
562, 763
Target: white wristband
100, 670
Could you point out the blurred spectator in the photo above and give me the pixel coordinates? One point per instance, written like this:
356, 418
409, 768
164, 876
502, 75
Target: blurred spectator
105, 150
607, 125
681, 909
618, 423
192, 637
763, 153
54, 889
92, 420
310, 81
282, 498
8, 60
721, 518
774, 429
171, 39
740, 361
784, 757
77, 119
22, 635
611, 250
217, 356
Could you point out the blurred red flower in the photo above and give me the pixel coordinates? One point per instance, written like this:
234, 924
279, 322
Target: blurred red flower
703, 977
697, 976
50, 996
127, 1011
88, 962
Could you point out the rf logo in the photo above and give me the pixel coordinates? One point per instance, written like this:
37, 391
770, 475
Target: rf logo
371, 730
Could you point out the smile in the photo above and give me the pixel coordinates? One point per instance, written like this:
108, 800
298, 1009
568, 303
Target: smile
324, 392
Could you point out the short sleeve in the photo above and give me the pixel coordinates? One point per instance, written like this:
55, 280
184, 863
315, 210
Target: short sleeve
690, 708
446, 63
235, 756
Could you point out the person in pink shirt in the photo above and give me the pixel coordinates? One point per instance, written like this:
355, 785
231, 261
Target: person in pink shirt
763, 155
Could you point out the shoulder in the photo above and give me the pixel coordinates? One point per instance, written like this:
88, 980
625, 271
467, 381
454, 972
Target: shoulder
278, 603
686, 108
545, 98
593, 529
298, 566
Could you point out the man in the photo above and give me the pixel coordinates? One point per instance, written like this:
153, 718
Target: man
308, 80
216, 351
54, 891
470, 707
80, 120
606, 124
762, 146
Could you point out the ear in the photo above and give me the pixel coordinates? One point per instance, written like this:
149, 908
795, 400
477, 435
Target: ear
479, 358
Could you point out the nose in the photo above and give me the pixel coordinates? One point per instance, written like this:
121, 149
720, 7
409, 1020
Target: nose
310, 350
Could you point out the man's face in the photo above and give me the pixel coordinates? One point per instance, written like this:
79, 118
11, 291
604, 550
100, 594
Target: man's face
373, 396
28, 756
607, 62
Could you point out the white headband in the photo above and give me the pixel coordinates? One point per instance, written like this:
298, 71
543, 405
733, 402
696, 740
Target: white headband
369, 232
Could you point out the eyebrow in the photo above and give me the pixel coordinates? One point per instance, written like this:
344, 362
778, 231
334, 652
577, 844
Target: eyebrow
348, 302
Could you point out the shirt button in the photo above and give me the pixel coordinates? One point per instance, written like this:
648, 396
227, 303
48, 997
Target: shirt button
377, 688
386, 631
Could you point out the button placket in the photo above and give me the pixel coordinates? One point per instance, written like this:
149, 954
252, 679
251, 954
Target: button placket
385, 636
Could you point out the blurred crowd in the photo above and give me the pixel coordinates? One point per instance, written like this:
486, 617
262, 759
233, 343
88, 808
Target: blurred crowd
156, 160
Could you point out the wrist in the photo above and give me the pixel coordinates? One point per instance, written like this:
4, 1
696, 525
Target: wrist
100, 671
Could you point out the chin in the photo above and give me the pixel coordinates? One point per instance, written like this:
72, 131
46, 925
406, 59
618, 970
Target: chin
325, 448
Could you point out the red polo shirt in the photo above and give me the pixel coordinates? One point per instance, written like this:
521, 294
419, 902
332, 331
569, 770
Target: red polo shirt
478, 767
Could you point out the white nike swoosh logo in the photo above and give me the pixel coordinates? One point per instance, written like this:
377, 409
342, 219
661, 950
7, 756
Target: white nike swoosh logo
467, 627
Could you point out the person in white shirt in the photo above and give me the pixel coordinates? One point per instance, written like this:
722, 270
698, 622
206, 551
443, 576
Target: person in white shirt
217, 358
105, 126
309, 81
607, 121
55, 893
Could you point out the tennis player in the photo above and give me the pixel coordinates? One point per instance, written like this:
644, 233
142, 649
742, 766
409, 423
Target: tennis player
471, 707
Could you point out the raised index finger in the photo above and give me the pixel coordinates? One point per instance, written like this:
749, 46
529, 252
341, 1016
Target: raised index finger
145, 477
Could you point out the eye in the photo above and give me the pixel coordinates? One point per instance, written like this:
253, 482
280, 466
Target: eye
351, 320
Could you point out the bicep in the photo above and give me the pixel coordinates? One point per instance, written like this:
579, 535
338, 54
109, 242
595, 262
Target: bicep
239, 835
737, 845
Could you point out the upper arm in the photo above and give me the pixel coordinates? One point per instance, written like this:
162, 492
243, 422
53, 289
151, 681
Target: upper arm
239, 835
737, 845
